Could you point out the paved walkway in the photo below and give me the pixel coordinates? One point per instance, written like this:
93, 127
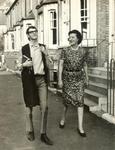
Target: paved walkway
100, 134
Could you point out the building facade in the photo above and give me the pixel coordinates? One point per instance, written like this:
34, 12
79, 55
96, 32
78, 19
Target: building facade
19, 16
2, 30
95, 19
55, 18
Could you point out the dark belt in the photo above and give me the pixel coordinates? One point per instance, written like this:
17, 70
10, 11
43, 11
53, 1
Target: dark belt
73, 70
39, 75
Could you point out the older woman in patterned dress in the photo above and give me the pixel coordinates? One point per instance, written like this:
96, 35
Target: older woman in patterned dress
73, 77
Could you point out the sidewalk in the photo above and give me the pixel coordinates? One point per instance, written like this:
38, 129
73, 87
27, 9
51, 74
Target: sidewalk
99, 113
100, 134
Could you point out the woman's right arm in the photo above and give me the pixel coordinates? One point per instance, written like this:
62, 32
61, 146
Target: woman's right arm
60, 82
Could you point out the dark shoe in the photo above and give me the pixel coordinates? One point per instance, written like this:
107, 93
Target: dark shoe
30, 135
81, 134
45, 139
61, 125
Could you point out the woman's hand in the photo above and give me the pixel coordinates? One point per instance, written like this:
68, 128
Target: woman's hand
60, 84
87, 81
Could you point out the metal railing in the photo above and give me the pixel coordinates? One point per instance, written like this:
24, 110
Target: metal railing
95, 46
53, 74
111, 87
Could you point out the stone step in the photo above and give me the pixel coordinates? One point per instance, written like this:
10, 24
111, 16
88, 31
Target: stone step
94, 100
89, 103
98, 79
98, 87
101, 71
98, 71
93, 96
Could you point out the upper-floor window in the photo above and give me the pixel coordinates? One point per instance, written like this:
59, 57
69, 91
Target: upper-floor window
84, 18
12, 40
53, 26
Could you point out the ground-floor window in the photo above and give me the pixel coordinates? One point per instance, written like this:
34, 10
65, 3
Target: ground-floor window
12, 40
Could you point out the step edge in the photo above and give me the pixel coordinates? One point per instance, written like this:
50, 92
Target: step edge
93, 93
97, 76
100, 85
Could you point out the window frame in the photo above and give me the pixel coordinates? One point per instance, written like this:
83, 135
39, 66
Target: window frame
84, 18
53, 27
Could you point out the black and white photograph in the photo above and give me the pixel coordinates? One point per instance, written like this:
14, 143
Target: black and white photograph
57, 74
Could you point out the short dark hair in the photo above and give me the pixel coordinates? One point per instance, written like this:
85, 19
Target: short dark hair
78, 34
30, 27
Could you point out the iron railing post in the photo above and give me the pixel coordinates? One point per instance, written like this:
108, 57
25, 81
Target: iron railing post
108, 85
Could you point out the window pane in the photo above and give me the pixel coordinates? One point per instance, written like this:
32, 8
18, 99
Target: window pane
82, 4
85, 19
82, 12
84, 25
53, 26
12, 39
54, 36
82, 19
54, 15
51, 15
54, 23
85, 3
85, 12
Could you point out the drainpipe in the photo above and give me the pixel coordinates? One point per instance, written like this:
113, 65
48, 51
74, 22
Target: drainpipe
69, 14
58, 24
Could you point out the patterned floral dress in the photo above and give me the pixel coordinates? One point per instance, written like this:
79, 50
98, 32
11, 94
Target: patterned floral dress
73, 76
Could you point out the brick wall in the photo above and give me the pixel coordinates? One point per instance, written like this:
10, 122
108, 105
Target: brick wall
102, 30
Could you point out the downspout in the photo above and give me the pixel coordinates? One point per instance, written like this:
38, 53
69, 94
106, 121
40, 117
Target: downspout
43, 25
69, 15
25, 7
58, 24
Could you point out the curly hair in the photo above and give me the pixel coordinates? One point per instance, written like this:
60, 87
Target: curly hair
78, 34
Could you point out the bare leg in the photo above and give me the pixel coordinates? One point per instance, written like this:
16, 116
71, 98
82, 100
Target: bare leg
29, 122
80, 119
63, 118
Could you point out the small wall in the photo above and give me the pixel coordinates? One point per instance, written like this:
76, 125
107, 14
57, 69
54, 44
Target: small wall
10, 59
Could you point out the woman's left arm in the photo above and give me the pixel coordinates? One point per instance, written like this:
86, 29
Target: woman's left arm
86, 73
